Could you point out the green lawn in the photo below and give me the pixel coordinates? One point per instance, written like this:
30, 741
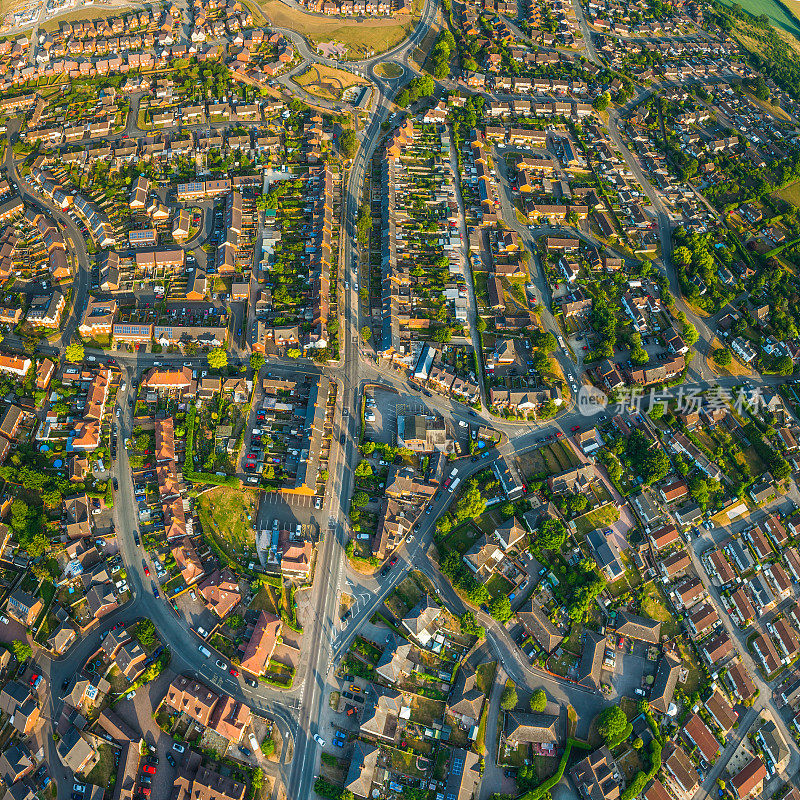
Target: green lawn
409, 592
103, 773
598, 518
485, 676
408, 763
498, 586
462, 537
654, 605
223, 514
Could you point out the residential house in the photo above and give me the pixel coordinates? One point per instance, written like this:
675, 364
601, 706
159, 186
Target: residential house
538, 625
420, 622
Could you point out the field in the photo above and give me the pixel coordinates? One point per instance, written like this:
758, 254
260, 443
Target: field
783, 16
327, 82
223, 513
359, 38
749, 37
790, 193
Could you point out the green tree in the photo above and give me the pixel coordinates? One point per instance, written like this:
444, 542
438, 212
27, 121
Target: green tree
469, 625
471, 504
500, 608
784, 365
722, 356
257, 361
613, 725
552, 535
538, 701
366, 333
601, 102
360, 499
268, 747
74, 352
508, 700
217, 358
363, 469
646, 458
348, 143
21, 650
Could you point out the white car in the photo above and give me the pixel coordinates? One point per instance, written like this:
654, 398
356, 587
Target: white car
319, 740
178, 748
119, 411
79, 787
222, 664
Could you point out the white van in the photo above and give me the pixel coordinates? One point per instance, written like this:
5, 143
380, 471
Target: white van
205, 651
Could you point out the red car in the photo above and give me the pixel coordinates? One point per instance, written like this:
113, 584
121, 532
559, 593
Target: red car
575, 428
558, 434
251, 456
149, 769
33, 679
392, 561
147, 570
145, 790
234, 672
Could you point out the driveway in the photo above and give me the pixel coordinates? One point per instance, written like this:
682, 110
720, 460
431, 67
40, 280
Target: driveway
138, 713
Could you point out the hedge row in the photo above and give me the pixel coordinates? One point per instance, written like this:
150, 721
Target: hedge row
544, 788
